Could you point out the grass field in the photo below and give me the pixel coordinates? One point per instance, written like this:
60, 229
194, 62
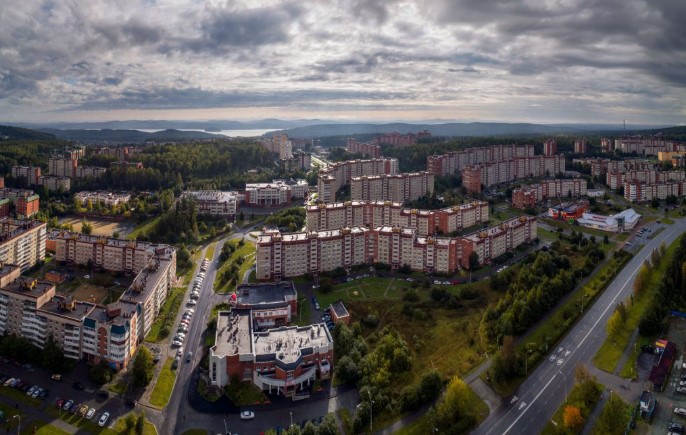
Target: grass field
575, 398
143, 228
162, 326
91, 426
366, 288
245, 394
101, 227
611, 351
247, 252
164, 385
209, 254
41, 428
304, 312
18, 396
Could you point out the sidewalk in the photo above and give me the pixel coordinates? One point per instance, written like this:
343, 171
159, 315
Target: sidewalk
627, 352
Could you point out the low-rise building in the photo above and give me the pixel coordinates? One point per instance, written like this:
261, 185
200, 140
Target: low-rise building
281, 360
215, 202
108, 199
273, 303
626, 220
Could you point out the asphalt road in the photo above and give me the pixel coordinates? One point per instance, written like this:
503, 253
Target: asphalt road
547, 387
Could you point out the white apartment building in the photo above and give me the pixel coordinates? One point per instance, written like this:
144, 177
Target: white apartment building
108, 199
22, 242
398, 188
337, 175
55, 183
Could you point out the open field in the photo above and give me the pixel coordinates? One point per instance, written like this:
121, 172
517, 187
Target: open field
90, 292
143, 228
101, 227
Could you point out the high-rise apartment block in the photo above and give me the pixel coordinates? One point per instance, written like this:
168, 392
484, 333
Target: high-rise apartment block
616, 179
337, 175
369, 149
22, 242
531, 195
485, 175
456, 161
31, 173
301, 161
55, 182
550, 147
281, 255
398, 188
639, 191
62, 166
374, 214
580, 146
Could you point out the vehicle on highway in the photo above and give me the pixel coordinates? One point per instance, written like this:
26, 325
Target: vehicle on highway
103, 419
680, 411
247, 415
90, 413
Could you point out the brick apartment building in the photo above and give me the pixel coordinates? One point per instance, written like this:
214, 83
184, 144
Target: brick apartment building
550, 147
281, 255
399, 188
640, 191
580, 146
386, 213
616, 179
337, 175
531, 195
368, 149
27, 206
455, 161
485, 175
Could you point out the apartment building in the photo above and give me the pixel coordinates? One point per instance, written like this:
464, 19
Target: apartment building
31, 173
607, 145
492, 242
91, 171
550, 147
456, 161
281, 255
645, 145
301, 161
600, 167
116, 255
485, 175
281, 360
22, 242
616, 179
369, 149
215, 202
55, 183
580, 146
337, 175
4, 207
372, 214
639, 191
531, 195
108, 199
398, 188
60, 166
27, 206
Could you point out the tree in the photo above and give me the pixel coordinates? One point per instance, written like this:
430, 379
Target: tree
101, 373
606, 239
325, 284
52, 356
143, 368
86, 228
641, 280
614, 324
328, 426
115, 235
473, 260
572, 417
140, 423
454, 405
614, 418
130, 422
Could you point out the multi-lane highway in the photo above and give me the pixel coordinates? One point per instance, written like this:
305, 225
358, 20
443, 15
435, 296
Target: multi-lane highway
546, 388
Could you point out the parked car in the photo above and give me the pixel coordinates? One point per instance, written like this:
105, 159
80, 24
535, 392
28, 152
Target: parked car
67, 406
247, 415
680, 411
175, 364
90, 413
8, 382
681, 390
676, 427
44, 394
191, 302
56, 377
31, 390
103, 419
36, 394
75, 408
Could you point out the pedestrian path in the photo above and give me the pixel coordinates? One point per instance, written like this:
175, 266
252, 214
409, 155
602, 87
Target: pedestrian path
627, 352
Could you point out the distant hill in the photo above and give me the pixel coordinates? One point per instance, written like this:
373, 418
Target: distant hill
17, 133
448, 129
128, 136
177, 125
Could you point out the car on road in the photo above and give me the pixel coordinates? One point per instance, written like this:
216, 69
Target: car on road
560, 361
680, 411
247, 415
103, 419
67, 406
552, 358
90, 413
682, 383
189, 356
87, 276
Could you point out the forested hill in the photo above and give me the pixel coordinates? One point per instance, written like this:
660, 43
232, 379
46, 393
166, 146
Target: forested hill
128, 136
449, 129
17, 133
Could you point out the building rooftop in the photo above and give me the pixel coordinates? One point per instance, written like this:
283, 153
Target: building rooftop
287, 344
159, 249
17, 227
265, 294
67, 307
339, 309
30, 287
6, 269
213, 195
233, 333
144, 282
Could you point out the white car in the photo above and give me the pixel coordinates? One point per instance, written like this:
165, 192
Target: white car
192, 302
90, 413
560, 361
552, 358
249, 415
37, 393
31, 390
680, 411
190, 311
103, 419
177, 343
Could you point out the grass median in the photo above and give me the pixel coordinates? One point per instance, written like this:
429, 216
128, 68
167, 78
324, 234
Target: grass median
164, 385
583, 398
164, 323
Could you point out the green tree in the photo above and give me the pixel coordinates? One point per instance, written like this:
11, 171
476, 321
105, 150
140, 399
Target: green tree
614, 324
143, 368
52, 356
473, 260
454, 406
328, 426
86, 228
140, 423
614, 417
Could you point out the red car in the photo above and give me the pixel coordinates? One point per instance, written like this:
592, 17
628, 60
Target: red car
59, 402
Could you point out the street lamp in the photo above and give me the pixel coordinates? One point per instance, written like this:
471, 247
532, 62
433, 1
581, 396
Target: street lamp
291, 413
226, 430
565, 382
371, 410
19, 426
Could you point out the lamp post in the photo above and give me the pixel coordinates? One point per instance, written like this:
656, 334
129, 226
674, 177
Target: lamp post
19, 426
291, 413
371, 411
565, 383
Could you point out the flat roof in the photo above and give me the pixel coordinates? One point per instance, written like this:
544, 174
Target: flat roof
81, 309
288, 342
266, 293
339, 309
233, 333
6, 269
29, 287
141, 287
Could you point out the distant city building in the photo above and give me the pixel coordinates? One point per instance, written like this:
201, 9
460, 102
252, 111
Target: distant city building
301, 161
531, 195
276, 193
108, 199
640, 191
374, 214
215, 202
337, 175
568, 210
580, 146
646, 145
60, 166
455, 161
400, 187
485, 175
89, 172
31, 173
55, 183
126, 164
550, 147
368, 149
616, 179
27, 206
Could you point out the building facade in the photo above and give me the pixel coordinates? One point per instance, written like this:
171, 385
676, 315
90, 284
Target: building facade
496, 241
22, 242
108, 199
31, 173
530, 195
215, 202
484, 175
399, 188
456, 161
337, 175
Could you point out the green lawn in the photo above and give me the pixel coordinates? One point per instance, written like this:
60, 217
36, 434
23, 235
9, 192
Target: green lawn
120, 427
91, 426
164, 385
245, 393
210, 251
629, 370
9, 421
143, 228
195, 432
667, 221
247, 252
304, 312
187, 273
164, 323
346, 420
42, 428
365, 288
119, 387
611, 351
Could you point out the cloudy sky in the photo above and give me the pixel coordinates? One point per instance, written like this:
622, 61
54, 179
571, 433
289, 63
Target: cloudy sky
499, 60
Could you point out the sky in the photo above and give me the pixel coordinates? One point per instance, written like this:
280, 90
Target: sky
544, 61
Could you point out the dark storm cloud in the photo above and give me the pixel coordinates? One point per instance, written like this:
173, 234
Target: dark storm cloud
184, 98
580, 33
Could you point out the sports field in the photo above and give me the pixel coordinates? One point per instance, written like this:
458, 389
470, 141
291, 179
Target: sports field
100, 227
